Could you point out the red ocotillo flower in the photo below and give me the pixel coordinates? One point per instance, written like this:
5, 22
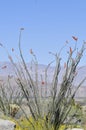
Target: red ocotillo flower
21, 28
43, 82
71, 50
12, 49
75, 38
31, 51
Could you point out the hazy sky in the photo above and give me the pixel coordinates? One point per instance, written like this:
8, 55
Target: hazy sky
47, 23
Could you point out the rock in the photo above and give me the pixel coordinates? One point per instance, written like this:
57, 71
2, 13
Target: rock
7, 125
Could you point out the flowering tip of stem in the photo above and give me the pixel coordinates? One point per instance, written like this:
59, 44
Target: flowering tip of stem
43, 82
21, 28
10, 57
75, 38
12, 49
31, 51
71, 50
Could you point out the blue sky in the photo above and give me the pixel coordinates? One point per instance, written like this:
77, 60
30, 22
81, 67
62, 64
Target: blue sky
48, 24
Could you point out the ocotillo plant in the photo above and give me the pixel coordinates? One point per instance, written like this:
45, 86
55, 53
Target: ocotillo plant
60, 103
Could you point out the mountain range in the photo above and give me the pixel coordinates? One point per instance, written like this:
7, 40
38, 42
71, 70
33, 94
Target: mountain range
6, 69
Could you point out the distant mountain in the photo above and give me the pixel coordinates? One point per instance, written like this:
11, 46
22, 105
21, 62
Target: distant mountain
6, 69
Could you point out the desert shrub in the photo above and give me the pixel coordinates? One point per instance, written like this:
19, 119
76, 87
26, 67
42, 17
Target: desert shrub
23, 124
14, 109
59, 106
9, 97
